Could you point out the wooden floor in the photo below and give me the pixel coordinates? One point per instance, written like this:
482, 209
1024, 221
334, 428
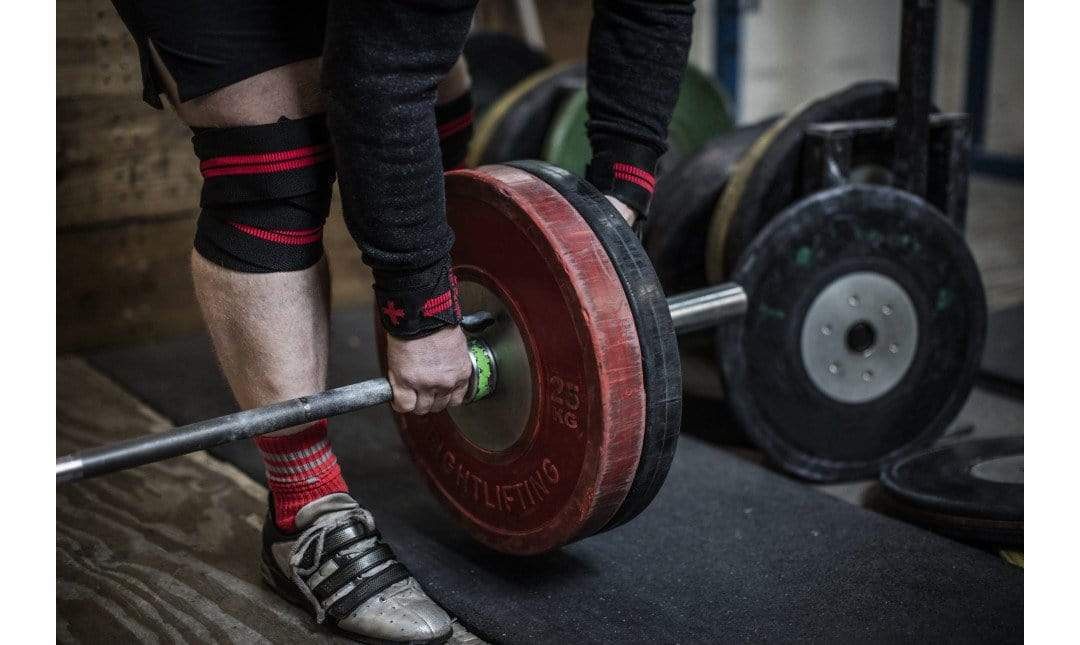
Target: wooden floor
163, 553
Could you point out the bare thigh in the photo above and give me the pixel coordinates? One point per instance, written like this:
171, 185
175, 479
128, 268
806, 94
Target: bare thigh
290, 91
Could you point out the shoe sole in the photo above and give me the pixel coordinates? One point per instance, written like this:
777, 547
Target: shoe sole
287, 590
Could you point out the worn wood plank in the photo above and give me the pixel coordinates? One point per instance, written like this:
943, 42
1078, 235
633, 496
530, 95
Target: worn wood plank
565, 24
132, 282
118, 158
166, 552
94, 53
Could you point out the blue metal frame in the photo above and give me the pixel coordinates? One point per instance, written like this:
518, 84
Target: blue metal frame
980, 46
727, 48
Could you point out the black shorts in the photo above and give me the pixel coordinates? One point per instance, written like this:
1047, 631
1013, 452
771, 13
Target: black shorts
209, 44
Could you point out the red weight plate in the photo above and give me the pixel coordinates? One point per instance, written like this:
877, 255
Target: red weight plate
577, 454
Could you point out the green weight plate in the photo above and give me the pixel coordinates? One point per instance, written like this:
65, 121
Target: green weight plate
514, 126
866, 324
701, 113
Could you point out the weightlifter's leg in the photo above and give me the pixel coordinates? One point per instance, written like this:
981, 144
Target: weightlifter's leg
263, 286
258, 269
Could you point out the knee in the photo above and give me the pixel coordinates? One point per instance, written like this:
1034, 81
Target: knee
266, 195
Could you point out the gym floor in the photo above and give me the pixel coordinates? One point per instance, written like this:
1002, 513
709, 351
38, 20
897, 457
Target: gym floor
168, 552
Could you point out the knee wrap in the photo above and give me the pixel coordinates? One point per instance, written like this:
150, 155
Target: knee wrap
455, 122
266, 194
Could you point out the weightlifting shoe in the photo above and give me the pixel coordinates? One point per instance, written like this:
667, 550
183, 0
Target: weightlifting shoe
338, 567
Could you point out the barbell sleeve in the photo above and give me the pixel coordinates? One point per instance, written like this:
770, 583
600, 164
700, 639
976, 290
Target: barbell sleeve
706, 308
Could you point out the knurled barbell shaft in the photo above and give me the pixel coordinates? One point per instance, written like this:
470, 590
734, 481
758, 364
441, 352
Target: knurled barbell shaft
690, 311
221, 430
246, 424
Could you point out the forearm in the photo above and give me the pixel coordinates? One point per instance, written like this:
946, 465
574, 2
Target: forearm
381, 67
637, 54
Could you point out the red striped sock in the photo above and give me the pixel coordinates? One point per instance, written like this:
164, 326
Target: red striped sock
300, 469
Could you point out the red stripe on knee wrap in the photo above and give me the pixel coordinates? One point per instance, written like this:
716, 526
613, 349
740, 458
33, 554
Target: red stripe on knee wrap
282, 236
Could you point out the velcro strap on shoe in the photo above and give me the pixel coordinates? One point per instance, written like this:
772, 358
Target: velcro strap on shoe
352, 569
367, 588
343, 537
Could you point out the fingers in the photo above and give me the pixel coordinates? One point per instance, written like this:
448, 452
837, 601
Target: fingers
627, 213
404, 399
424, 399
442, 399
457, 397
430, 373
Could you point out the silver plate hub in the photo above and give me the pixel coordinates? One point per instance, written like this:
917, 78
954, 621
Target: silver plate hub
859, 337
496, 422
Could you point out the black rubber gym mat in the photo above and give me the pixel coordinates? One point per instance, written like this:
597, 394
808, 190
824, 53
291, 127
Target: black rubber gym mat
1003, 359
728, 551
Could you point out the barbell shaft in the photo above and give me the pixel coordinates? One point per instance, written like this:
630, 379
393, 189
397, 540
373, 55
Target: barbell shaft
690, 311
221, 430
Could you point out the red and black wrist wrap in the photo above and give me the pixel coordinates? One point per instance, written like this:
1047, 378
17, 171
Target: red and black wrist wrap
625, 171
455, 125
421, 308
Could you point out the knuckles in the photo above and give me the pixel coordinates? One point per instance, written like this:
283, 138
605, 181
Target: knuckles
423, 381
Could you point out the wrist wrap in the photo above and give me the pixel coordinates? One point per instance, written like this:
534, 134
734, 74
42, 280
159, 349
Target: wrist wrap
418, 312
624, 170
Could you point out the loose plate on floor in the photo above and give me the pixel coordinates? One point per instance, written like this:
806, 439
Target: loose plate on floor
971, 490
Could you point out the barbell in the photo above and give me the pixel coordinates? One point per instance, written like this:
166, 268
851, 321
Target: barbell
689, 312
577, 384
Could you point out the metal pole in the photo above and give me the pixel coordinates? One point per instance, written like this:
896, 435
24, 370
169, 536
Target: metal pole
705, 308
222, 430
913, 96
690, 311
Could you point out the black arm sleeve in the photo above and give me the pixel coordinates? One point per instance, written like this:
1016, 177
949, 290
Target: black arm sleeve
637, 54
381, 66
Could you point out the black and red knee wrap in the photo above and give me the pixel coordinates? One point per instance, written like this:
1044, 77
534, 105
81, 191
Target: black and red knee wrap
266, 194
455, 123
